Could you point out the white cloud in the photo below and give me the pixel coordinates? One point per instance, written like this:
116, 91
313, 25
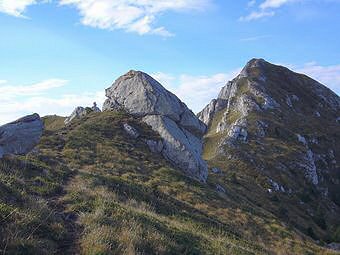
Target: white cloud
327, 75
10, 91
195, 91
15, 7
265, 9
257, 15
274, 3
18, 101
254, 38
131, 15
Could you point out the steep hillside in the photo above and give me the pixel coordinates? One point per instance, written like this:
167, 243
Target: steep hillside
91, 188
277, 132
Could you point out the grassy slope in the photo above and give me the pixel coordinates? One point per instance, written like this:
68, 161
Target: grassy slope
90, 188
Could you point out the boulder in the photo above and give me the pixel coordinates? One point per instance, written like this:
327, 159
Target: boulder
216, 170
142, 96
219, 188
21, 136
131, 131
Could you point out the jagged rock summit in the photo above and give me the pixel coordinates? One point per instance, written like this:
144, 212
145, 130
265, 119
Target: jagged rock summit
181, 131
20, 137
263, 93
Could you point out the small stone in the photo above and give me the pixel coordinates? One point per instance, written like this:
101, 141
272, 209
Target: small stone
219, 188
301, 139
216, 170
131, 131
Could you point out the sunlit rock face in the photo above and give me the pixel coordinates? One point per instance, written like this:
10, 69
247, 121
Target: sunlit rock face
142, 96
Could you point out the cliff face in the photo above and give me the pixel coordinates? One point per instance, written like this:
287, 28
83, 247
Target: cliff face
181, 131
284, 127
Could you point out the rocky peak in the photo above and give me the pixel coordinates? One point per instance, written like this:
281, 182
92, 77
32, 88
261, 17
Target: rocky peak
267, 100
255, 67
181, 131
281, 126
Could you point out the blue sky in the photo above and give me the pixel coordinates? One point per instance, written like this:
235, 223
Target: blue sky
58, 54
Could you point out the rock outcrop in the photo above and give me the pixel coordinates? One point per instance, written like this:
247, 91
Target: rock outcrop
21, 136
80, 112
181, 131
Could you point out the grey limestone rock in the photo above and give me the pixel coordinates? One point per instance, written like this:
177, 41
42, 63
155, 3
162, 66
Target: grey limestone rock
181, 131
155, 146
21, 136
216, 170
219, 188
78, 113
180, 147
131, 131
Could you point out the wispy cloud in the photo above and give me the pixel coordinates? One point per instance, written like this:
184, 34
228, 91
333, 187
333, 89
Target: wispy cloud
265, 9
17, 101
10, 91
251, 3
257, 15
254, 38
275, 3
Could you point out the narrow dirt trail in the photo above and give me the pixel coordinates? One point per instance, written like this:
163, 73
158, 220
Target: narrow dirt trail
69, 245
